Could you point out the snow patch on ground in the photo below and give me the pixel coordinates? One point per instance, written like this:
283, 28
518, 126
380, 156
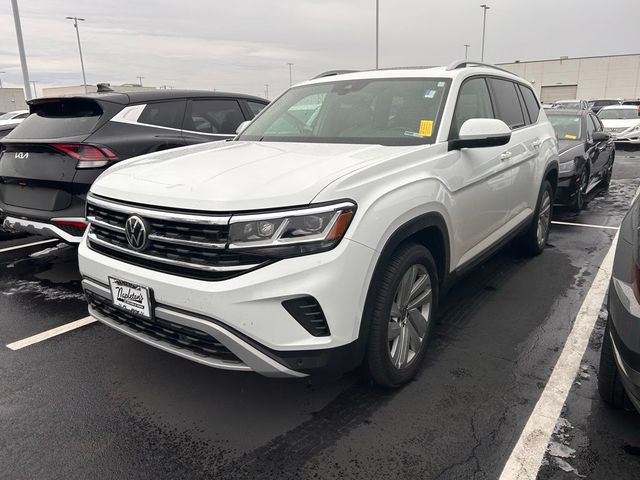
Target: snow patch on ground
36, 288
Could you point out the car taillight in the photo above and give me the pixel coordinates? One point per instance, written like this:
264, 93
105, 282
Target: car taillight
70, 223
88, 156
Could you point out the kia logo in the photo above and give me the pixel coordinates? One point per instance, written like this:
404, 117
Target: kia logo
135, 229
21, 155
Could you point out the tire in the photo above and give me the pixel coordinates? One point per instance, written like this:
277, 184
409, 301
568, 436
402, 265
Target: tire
398, 330
529, 243
609, 384
580, 198
606, 179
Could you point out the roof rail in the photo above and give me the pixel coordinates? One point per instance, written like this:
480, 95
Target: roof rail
466, 63
332, 73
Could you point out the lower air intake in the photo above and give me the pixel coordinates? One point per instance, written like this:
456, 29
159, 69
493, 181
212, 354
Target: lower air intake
307, 311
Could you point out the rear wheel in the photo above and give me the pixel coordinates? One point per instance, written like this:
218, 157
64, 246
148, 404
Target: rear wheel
533, 241
405, 304
609, 384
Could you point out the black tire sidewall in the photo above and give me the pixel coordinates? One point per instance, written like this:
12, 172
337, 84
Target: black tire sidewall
378, 361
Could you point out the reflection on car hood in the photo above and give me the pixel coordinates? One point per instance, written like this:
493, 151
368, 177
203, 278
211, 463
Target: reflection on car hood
566, 145
227, 176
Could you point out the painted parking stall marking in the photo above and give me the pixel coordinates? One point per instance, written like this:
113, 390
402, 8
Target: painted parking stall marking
51, 333
526, 458
588, 225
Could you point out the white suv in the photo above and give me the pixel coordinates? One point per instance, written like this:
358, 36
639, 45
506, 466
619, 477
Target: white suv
322, 237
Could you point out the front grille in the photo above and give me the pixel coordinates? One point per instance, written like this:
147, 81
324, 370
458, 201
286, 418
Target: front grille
178, 336
186, 244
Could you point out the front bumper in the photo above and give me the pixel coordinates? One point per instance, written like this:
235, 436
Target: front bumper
632, 138
245, 313
625, 334
41, 228
567, 189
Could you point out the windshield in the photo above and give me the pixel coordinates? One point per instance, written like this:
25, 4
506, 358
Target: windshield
567, 127
604, 103
58, 119
402, 111
619, 114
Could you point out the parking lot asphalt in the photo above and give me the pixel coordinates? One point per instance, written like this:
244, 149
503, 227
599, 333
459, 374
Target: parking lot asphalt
93, 403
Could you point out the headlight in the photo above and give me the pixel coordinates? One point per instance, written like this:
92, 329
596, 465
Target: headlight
291, 232
567, 167
636, 128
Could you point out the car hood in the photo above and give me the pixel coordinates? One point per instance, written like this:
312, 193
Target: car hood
228, 176
621, 123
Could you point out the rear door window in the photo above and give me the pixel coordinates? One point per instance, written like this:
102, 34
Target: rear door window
215, 116
163, 114
505, 97
255, 107
59, 118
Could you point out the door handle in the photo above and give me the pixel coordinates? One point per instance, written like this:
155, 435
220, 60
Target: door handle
506, 155
536, 143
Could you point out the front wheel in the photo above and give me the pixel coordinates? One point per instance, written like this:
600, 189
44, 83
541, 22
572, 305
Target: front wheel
405, 299
580, 198
534, 239
606, 179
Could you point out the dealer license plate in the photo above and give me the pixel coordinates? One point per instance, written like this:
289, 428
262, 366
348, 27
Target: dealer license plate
131, 297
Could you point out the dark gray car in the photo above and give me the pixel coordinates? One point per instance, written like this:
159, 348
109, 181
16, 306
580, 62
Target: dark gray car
619, 376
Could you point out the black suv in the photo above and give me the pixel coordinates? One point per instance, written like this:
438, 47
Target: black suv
50, 160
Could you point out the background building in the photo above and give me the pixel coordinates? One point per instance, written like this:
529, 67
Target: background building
79, 89
585, 78
12, 99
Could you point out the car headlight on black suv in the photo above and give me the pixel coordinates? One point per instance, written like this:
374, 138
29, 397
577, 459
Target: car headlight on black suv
292, 232
567, 167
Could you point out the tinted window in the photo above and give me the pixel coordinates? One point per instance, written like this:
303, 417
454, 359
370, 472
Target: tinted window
530, 102
395, 111
506, 101
255, 107
59, 118
474, 101
163, 114
213, 116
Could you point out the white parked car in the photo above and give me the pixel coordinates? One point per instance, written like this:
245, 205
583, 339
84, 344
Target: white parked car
13, 117
622, 122
323, 240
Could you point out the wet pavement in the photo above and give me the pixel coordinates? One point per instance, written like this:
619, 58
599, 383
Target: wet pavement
93, 403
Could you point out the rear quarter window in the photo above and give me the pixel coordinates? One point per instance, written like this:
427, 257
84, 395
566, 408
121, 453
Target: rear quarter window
58, 119
530, 102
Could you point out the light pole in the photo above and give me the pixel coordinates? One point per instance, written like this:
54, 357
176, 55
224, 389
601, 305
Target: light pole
377, 31
485, 7
35, 91
23, 56
1, 73
466, 51
266, 91
140, 80
75, 24
290, 77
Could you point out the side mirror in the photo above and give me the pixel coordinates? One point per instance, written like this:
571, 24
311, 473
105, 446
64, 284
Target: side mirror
481, 132
242, 127
600, 136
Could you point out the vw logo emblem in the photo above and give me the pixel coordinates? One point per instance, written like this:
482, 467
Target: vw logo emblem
135, 230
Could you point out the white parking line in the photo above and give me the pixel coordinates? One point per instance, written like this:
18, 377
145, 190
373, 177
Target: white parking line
25, 245
584, 225
50, 333
527, 455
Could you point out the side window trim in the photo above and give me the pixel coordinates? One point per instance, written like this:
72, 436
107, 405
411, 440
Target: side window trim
522, 88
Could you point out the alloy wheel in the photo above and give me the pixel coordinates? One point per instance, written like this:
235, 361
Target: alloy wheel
410, 316
544, 218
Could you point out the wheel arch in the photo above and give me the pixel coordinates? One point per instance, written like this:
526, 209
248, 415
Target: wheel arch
429, 229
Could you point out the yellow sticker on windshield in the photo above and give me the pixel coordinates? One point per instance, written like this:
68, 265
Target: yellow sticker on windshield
568, 136
426, 128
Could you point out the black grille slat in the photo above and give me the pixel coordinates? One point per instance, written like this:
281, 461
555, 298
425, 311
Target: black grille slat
187, 258
178, 336
307, 311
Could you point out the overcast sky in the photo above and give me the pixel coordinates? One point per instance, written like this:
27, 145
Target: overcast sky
240, 45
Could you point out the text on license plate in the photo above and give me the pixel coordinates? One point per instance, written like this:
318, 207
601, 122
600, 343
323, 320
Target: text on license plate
130, 297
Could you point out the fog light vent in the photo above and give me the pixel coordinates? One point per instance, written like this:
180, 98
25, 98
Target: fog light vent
306, 310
